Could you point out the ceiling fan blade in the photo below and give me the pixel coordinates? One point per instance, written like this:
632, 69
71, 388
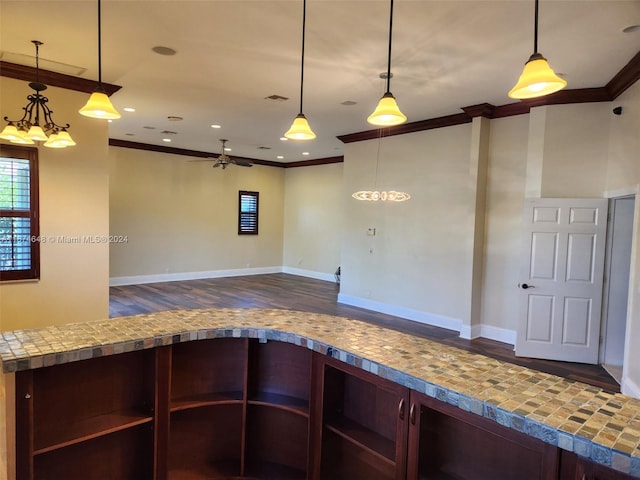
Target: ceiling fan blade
242, 163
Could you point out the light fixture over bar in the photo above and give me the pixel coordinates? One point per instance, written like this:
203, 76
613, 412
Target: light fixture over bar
37, 121
537, 78
99, 105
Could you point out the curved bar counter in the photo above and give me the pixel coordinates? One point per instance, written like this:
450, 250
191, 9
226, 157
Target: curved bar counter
601, 427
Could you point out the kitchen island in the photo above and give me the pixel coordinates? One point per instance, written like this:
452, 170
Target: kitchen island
259, 393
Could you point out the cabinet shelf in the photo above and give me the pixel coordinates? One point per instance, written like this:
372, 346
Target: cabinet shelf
285, 402
87, 429
364, 438
205, 400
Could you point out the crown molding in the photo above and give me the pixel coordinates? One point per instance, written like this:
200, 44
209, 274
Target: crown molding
626, 77
114, 142
53, 79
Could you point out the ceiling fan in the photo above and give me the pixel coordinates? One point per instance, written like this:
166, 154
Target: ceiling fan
223, 160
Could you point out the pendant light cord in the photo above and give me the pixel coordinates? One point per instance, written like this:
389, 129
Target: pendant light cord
389, 53
535, 29
99, 45
304, 21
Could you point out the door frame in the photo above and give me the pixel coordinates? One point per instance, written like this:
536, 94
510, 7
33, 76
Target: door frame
606, 286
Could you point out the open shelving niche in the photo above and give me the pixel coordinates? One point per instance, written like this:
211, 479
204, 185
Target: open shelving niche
239, 408
76, 413
364, 429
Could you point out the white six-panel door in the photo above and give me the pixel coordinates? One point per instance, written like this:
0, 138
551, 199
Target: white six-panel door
561, 280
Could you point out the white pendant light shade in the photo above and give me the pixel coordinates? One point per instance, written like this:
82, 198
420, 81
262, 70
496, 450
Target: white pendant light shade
36, 134
99, 106
387, 113
53, 142
65, 139
10, 133
22, 139
300, 129
537, 79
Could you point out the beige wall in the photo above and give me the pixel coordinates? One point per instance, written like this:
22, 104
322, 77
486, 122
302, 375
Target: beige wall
505, 196
417, 264
576, 139
313, 220
181, 217
74, 202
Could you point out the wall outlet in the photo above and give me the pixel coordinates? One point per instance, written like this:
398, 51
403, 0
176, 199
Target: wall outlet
371, 231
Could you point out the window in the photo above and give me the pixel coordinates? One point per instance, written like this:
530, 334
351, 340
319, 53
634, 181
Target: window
19, 229
248, 213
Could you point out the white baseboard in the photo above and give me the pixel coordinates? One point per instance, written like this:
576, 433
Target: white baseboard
630, 388
470, 332
402, 312
329, 277
498, 334
175, 277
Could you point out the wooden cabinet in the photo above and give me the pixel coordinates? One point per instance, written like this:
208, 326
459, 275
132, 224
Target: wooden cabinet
71, 414
364, 425
206, 409
573, 467
236, 408
277, 424
447, 443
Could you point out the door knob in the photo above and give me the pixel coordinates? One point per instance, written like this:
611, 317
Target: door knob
525, 286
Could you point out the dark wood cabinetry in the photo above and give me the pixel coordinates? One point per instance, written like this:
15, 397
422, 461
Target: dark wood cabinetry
71, 414
573, 467
238, 408
364, 427
447, 443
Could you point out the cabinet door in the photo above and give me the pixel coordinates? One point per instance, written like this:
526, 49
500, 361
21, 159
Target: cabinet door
364, 425
573, 467
447, 442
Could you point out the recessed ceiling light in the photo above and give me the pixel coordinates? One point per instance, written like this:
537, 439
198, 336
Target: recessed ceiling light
216, 126
129, 109
280, 157
149, 128
130, 134
305, 153
164, 50
631, 29
348, 103
174, 118
168, 140
284, 139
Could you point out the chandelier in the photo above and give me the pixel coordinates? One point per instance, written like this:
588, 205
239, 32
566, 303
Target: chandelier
380, 195
37, 125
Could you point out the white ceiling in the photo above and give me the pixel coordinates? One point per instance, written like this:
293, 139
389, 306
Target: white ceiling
231, 54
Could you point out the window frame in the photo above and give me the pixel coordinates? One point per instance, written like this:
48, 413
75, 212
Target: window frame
30, 154
244, 214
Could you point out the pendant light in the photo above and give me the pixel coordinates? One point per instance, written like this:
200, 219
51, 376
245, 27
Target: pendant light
99, 105
387, 112
380, 195
537, 78
300, 129
37, 121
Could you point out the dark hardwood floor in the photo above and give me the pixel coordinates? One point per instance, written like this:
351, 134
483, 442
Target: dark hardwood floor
300, 293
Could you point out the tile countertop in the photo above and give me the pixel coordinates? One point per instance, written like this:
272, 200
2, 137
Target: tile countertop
604, 427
